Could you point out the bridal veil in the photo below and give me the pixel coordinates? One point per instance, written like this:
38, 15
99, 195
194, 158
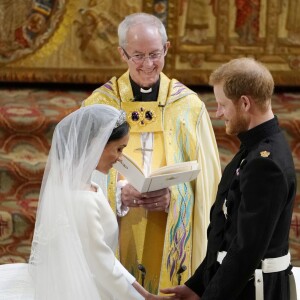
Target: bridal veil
57, 262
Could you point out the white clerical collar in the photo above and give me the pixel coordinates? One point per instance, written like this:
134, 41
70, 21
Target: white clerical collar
145, 91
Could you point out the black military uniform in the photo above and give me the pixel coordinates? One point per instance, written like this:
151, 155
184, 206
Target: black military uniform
250, 219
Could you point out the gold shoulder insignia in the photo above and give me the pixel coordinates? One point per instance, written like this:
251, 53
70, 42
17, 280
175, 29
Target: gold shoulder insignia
264, 153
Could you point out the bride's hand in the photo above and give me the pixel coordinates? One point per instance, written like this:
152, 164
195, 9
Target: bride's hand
155, 297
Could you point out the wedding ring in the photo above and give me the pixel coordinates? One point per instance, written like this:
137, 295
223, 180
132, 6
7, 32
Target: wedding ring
134, 201
155, 204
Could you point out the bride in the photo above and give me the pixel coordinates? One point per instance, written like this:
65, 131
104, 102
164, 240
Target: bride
76, 232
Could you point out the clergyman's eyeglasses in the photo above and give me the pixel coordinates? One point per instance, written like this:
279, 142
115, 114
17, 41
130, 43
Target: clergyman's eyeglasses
140, 58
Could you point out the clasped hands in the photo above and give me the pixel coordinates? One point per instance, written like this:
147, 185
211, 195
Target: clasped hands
154, 201
179, 292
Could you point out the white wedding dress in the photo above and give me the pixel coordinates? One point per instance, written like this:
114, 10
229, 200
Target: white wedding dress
98, 232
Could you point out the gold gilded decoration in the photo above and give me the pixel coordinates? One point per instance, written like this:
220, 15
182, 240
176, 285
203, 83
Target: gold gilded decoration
264, 153
143, 116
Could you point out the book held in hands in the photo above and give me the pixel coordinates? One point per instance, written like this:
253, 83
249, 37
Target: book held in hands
158, 179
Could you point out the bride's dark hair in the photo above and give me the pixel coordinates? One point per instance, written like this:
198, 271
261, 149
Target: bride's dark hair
119, 132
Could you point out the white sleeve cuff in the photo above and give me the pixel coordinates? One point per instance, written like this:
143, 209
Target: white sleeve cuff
131, 279
122, 210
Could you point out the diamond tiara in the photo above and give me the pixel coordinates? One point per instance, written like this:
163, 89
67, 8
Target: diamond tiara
122, 118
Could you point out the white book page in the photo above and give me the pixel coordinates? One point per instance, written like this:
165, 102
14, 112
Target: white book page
176, 168
167, 180
160, 178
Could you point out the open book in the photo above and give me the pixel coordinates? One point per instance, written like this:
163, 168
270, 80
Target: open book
158, 179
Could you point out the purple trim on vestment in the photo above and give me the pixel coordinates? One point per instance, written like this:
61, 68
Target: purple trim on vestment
108, 85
